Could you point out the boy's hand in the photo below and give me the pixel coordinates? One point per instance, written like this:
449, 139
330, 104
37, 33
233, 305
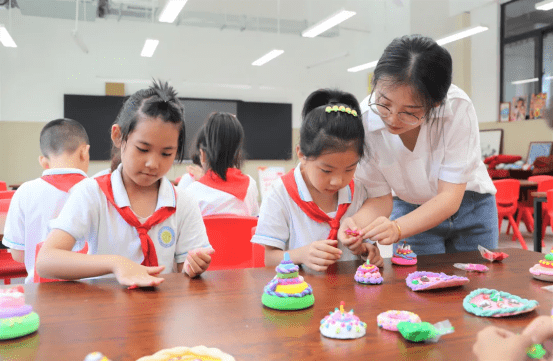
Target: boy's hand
198, 261
129, 273
350, 236
495, 344
319, 255
371, 252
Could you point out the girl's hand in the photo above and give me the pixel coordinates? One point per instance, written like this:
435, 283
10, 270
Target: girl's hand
319, 255
373, 254
129, 273
198, 260
540, 330
382, 230
352, 240
496, 344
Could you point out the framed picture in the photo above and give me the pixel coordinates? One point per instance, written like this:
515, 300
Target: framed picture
504, 112
538, 149
491, 142
537, 106
519, 108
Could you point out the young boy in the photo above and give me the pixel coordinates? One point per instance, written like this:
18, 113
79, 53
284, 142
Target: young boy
65, 157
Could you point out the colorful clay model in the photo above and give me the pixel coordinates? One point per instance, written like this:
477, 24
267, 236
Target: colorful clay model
492, 256
471, 267
352, 233
287, 290
342, 325
389, 320
404, 256
96, 356
543, 270
368, 274
197, 353
16, 318
424, 331
421, 280
485, 302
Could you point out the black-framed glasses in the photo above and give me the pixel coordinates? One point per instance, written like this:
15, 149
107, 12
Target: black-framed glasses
385, 112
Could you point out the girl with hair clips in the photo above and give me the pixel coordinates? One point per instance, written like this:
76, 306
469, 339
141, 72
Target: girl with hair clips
136, 223
425, 160
223, 189
302, 211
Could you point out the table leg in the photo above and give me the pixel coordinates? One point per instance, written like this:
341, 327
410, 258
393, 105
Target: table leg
537, 205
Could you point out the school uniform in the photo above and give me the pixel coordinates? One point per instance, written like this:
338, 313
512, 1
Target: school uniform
447, 149
186, 180
237, 195
33, 205
285, 225
99, 210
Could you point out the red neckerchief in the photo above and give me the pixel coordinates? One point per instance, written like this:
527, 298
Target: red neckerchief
236, 183
148, 248
63, 182
311, 209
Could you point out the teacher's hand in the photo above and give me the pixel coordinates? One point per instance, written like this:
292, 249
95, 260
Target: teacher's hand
382, 230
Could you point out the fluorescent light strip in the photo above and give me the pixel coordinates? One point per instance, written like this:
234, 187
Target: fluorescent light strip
327, 23
171, 10
545, 5
5, 38
524, 81
268, 57
149, 47
363, 67
462, 34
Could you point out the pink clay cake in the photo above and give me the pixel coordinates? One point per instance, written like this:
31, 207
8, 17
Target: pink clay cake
404, 256
543, 270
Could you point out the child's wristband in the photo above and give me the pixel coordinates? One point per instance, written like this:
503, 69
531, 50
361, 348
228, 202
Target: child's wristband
399, 231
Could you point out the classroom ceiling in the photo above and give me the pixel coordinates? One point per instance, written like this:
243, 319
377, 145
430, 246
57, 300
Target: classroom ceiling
270, 16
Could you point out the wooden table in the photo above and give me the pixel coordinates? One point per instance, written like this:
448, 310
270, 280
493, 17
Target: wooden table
223, 309
538, 199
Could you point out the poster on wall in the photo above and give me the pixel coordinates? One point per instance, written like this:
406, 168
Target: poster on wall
504, 112
491, 142
519, 108
537, 106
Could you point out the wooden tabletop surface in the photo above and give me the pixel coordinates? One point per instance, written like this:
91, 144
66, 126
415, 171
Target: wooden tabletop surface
223, 309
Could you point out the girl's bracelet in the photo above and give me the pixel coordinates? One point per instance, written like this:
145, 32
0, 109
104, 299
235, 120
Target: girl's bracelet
399, 231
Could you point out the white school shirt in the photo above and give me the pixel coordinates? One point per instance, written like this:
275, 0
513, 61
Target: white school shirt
448, 150
185, 181
214, 201
33, 205
88, 215
283, 224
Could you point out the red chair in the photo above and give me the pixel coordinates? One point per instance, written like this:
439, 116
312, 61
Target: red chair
506, 202
6, 194
230, 236
544, 184
9, 268
176, 181
549, 204
36, 277
525, 207
258, 252
3, 186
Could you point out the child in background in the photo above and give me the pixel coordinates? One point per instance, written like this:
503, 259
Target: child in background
223, 189
136, 223
65, 157
302, 212
195, 170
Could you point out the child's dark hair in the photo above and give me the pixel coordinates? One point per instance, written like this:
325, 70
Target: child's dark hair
195, 147
330, 132
420, 63
62, 136
222, 140
158, 101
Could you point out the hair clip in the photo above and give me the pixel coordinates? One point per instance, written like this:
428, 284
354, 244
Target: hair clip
342, 108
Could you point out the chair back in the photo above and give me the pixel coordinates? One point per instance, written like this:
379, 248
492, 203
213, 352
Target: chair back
230, 236
6, 194
3, 186
36, 277
549, 203
539, 178
5, 205
544, 185
507, 194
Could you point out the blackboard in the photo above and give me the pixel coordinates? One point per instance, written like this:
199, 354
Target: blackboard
267, 126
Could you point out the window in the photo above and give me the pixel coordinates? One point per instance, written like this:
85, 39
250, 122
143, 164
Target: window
525, 50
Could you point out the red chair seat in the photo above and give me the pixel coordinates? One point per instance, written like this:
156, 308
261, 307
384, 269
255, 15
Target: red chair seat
9, 268
506, 203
